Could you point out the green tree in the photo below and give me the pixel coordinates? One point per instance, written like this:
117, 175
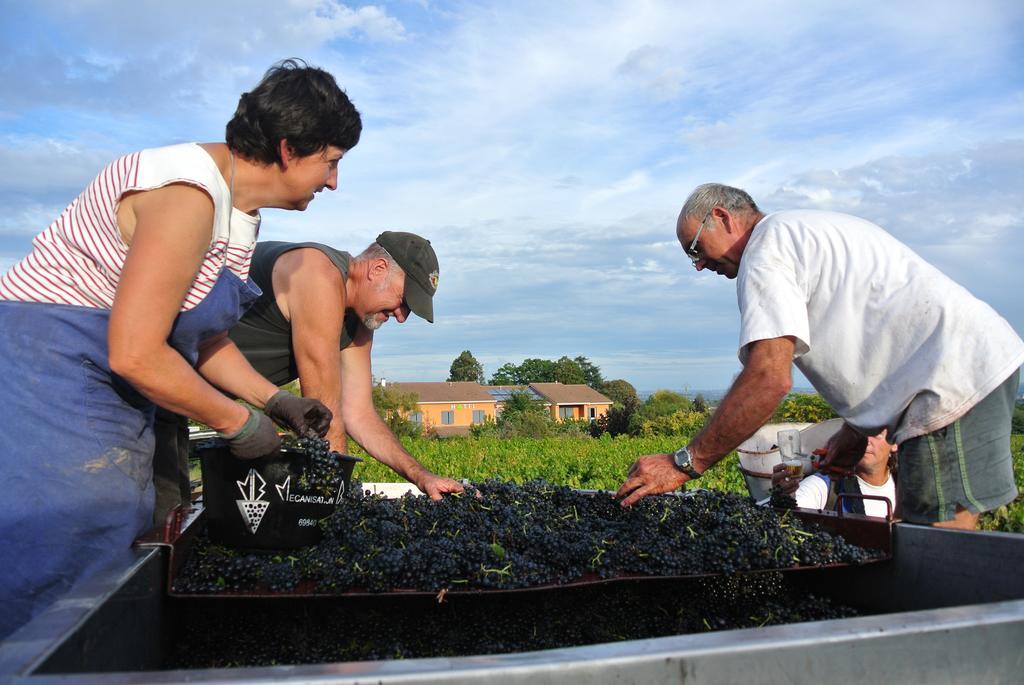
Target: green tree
466, 368
568, 372
619, 419
681, 422
527, 426
803, 407
1018, 418
591, 373
523, 416
394, 407
665, 403
507, 374
536, 371
520, 403
700, 404
618, 391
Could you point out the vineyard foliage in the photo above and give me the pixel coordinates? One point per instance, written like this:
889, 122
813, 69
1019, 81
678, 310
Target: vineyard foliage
800, 407
669, 413
588, 463
601, 464
1010, 518
394, 408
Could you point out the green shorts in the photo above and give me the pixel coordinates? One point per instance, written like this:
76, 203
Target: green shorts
967, 463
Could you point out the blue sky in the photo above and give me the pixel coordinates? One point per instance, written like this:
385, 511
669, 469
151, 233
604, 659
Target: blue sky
546, 148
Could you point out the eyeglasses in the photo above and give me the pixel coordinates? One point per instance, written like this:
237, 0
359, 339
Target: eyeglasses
692, 252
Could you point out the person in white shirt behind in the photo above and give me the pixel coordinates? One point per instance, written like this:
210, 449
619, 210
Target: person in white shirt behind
872, 475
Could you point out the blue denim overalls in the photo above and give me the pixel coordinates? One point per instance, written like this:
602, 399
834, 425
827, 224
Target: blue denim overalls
76, 445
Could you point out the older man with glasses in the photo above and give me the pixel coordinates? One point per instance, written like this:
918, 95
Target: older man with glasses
886, 338
692, 252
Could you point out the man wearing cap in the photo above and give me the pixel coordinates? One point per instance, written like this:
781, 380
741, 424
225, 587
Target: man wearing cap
316, 301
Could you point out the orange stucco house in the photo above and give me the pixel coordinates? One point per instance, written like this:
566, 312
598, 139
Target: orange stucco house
450, 408
572, 402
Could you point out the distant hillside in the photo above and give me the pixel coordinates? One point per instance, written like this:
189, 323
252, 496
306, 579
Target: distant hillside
712, 395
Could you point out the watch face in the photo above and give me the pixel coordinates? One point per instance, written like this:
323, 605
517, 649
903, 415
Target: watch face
683, 462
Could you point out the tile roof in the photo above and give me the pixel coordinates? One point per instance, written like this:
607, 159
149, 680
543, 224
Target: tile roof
454, 391
557, 393
468, 391
502, 392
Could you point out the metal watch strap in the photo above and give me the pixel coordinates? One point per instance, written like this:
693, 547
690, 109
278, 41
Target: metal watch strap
684, 462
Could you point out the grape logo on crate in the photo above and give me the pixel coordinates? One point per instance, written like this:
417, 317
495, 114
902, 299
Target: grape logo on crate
252, 505
284, 492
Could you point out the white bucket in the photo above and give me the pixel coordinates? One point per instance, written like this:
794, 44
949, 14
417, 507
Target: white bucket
817, 435
759, 454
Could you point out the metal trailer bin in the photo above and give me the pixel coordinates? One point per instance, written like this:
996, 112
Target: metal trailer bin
949, 607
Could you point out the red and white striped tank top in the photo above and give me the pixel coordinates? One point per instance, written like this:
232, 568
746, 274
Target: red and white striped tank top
78, 259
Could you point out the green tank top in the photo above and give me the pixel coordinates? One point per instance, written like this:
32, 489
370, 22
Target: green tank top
263, 334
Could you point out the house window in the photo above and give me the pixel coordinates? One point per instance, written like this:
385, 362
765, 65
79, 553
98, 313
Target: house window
593, 413
566, 412
416, 417
479, 416
447, 418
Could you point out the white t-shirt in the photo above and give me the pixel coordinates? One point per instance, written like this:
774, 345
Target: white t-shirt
813, 494
886, 338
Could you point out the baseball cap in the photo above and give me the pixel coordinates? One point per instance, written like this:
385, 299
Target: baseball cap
417, 259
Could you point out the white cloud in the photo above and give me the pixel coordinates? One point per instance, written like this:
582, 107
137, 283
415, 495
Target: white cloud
137, 58
30, 163
920, 197
637, 180
319, 21
546, 148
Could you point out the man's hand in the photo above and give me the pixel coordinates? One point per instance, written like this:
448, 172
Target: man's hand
781, 480
652, 474
844, 450
435, 486
304, 415
256, 438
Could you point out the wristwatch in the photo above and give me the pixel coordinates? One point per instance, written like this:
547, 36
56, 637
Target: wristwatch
684, 462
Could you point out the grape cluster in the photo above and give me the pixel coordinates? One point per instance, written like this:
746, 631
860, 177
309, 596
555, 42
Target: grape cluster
280, 576
214, 569
323, 471
780, 499
500, 535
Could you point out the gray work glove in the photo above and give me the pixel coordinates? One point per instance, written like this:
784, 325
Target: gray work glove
307, 417
256, 438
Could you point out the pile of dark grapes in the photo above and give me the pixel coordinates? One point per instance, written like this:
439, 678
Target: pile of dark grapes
260, 632
214, 569
500, 535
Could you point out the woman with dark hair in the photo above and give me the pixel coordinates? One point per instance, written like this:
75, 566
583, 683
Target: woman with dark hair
123, 303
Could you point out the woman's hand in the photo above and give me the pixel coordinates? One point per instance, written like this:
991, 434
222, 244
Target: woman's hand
306, 416
256, 438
